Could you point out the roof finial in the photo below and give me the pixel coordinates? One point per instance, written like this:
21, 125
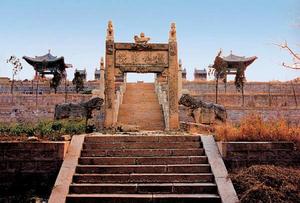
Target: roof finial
172, 33
101, 63
110, 31
49, 50
230, 52
180, 64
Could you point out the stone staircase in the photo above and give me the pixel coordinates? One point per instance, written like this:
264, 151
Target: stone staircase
140, 107
143, 168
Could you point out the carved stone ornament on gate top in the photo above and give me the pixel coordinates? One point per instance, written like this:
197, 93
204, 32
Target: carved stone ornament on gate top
172, 33
141, 42
110, 31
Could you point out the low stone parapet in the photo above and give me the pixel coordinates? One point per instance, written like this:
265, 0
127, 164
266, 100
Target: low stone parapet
244, 154
19, 160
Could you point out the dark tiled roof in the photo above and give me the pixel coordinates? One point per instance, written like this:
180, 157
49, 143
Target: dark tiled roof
46, 61
200, 71
233, 58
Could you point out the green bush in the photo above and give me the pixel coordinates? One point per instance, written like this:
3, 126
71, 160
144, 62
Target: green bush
44, 128
17, 129
48, 129
4, 129
74, 127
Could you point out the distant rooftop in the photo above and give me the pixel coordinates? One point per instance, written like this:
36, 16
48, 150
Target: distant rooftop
200, 71
231, 58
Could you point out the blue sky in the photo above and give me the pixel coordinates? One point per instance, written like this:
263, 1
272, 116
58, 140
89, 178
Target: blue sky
77, 29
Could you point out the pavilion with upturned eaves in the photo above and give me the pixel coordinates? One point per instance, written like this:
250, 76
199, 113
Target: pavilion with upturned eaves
235, 62
47, 64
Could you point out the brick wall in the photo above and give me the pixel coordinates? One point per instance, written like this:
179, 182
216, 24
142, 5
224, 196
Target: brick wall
26, 163
199, 87
244, 154
268, 98
235, 114
23, 107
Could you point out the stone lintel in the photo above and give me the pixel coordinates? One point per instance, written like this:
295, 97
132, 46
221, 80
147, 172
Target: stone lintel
224, 184
141, 68
150, 46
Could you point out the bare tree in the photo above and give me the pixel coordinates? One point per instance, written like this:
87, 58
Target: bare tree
296, 57
16, 67
219, 69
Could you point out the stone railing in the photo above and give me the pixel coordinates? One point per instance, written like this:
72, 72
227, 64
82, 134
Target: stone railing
119, 99
162, 96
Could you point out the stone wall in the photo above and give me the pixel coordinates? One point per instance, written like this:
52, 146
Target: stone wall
199, 87
245, 154
235, 114
267, 98
43, 87
23, 107
26, 163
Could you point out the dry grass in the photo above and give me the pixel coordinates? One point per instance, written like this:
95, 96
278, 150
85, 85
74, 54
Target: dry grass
267, 184
254, 128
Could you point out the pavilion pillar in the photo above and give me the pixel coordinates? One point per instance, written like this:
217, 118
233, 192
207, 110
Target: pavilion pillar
102, 82
109, 78
173, 80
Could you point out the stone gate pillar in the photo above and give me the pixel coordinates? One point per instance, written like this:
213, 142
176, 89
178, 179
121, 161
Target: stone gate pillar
179, 79
102, 80
109, 77
173, 80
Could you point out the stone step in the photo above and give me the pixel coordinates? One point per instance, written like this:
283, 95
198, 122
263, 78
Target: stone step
142, 160
146, 92
142, 198
143, 145
140, 95
140, 86
145, 178
149, 117
175, 188
142, 138
132, 116
141, 106
141, 122
142, 152
127, 169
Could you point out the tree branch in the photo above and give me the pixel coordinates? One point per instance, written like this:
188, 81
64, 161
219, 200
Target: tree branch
295, 66
285, 46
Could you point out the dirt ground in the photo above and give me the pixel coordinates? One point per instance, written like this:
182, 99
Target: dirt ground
267, 184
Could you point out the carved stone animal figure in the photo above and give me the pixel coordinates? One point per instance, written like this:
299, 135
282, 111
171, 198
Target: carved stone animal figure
199, 107
142, 39
75, 110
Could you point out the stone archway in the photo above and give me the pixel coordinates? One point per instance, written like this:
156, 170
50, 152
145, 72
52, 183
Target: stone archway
141, 57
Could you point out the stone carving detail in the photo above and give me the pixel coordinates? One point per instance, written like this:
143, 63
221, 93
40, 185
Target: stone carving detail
145, 58
141, 39
75, 110
109, 48
110, 31
173, 49
198, 107
172, 33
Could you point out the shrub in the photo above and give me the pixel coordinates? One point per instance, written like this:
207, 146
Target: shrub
51, 130
254, 128
74, 127
44, 128
16, 129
